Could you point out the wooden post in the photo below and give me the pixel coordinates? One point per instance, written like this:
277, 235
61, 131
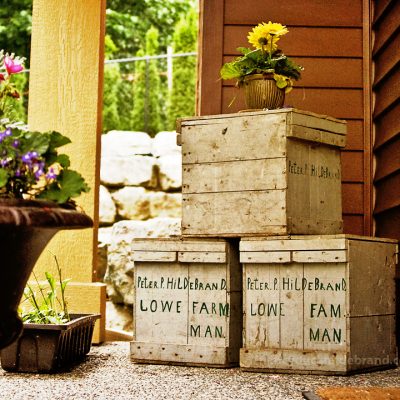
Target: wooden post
66, 81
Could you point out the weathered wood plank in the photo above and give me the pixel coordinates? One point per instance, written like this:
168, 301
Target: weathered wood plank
160, 256
319, 256
250, 212
228, 176
314, 135
201, 257
323, 242
224, 139
374, 279
266, 257
300, 361
167, 244
179, 354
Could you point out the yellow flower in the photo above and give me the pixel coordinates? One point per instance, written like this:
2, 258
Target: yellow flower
264, 36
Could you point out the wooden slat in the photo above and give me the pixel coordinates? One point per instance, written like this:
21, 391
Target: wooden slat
228, 176
318, 72
319, 256
156, 256
355, 135
306, 242
292, 12
353, 224
201, 257
388, 92
388, 223
164, 244
387, 159
352, 198
386, 27
266, 257
210, 56
387, 126
380, 7
335, 102
302, 42
387, 59
388, 193
352, 166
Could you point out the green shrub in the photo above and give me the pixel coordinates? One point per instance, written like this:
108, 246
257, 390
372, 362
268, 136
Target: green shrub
183, 93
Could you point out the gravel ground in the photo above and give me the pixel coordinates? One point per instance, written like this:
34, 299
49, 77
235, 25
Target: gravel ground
109, 374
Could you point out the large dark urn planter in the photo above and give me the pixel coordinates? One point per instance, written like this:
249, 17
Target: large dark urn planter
26, 226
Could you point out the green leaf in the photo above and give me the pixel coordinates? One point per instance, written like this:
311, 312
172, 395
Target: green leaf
36, 141
51, 281
69, 184
58, 140
243, 50
3, 177
230, 71
63, 160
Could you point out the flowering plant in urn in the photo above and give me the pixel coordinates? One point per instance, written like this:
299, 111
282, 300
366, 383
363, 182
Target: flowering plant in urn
266, 62
30, 165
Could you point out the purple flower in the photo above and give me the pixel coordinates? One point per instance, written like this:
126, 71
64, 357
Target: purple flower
26, 158
15, 143
17, 173
51, 174
4, 162
8, 132
38, 173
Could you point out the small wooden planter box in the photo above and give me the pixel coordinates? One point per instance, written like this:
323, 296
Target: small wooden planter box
261, 173
188, 302
318, 304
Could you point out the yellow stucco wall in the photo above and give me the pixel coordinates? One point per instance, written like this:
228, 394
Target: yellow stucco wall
65, 94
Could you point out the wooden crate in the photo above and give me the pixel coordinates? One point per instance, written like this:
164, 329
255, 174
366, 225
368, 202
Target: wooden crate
261, 173
188, 302
318, 304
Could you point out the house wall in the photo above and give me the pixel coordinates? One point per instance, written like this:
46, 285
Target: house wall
386, 111
330, 39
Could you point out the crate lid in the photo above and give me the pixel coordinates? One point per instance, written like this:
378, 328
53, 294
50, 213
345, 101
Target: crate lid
302, 249
304, 125
181, 250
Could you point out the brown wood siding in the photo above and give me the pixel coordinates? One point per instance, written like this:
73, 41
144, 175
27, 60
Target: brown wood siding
327, 38
386, 87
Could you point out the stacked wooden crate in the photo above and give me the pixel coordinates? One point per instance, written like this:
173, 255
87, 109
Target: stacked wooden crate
252, 176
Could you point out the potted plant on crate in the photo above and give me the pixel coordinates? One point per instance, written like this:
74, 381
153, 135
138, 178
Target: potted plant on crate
36, 191
265, 73
52, 339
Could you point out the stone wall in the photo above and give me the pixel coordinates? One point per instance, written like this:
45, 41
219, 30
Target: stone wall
140, 196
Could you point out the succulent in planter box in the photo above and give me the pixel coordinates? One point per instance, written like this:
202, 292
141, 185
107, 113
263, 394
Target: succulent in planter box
52, 339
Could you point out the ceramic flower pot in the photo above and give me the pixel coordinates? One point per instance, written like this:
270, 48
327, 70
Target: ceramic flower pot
261, 92
26, 226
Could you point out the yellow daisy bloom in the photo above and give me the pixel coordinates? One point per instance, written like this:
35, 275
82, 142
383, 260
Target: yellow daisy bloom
264, 36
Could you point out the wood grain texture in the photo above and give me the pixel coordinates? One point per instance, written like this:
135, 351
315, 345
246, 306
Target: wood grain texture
352, 166
66, 76
239, 13
387, 160
188, 311
352, 198
211, 32
315, 306
387, 126
300, 42
318, 72
386, 29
